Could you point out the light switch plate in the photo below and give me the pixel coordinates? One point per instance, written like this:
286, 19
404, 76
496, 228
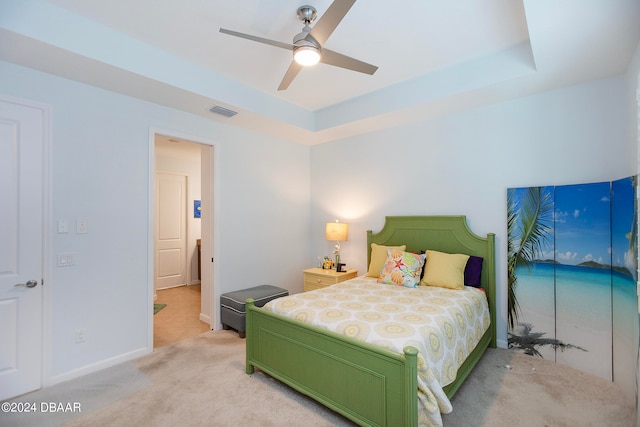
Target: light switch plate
66, 259
63, 226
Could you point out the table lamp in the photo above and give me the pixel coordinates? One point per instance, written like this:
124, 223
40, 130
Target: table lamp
338, 232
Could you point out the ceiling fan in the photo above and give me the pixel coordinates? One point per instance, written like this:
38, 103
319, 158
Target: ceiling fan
307, 45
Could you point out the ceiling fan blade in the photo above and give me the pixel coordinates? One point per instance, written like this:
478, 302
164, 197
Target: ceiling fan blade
336, 59
291, 74
275, 43
330, 20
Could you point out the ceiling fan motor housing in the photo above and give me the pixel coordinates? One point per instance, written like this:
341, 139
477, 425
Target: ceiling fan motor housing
307, 14
304, 39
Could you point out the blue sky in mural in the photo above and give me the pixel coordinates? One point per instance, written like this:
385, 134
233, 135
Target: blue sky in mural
583, 223
582, 218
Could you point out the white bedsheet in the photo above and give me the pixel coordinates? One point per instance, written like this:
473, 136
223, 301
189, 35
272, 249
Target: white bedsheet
444, 325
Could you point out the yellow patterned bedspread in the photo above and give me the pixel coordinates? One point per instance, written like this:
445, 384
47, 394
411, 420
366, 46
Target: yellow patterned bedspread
444, 325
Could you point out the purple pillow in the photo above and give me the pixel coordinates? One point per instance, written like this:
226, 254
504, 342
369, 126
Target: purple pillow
472, 271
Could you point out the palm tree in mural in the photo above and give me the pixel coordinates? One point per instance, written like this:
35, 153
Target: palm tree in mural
529, 222
529, 341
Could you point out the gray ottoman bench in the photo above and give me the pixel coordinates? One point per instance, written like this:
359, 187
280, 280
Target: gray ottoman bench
232, 305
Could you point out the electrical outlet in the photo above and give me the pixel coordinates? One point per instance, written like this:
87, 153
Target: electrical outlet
82, 226
81, 335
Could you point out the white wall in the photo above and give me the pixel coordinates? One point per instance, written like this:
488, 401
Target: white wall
100, 173
462, 164
632, 80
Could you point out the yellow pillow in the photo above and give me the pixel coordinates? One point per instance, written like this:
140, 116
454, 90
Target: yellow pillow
444, 270
379, 257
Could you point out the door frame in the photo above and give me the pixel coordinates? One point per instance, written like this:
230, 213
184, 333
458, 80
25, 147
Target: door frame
208, 245
46, 284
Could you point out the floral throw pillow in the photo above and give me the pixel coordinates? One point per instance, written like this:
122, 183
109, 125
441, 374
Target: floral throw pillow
402, 268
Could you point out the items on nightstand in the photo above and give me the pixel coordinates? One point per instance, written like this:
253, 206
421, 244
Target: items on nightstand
327, 264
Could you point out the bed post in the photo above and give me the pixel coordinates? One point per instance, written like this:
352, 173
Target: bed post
411, 379
491, 287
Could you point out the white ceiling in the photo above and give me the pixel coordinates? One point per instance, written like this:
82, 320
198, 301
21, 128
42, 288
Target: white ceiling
434, 56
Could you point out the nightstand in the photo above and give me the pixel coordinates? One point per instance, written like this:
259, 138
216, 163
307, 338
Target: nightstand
316, 278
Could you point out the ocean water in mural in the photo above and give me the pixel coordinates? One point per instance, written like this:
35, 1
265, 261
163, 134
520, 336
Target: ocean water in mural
574, 285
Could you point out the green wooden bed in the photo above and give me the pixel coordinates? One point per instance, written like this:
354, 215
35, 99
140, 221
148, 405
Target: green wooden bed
368, 384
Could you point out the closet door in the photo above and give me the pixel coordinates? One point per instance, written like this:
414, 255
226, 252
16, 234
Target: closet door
22, 163
170, 230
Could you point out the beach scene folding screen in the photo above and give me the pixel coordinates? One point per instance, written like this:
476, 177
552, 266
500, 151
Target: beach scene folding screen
572, 267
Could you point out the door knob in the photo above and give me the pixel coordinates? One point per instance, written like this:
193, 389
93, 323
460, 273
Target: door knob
29, 284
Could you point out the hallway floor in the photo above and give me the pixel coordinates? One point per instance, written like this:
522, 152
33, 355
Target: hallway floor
180, 319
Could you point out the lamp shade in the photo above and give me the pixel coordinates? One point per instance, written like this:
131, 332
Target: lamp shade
337, 231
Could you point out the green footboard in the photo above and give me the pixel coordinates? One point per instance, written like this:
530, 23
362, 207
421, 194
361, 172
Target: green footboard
365, 383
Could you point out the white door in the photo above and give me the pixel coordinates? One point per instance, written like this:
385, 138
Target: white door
22, 138
170, 239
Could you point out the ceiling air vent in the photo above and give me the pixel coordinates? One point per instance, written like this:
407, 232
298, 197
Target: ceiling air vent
216, 109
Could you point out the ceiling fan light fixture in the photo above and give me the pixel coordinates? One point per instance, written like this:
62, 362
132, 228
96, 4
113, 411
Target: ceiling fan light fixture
306, 55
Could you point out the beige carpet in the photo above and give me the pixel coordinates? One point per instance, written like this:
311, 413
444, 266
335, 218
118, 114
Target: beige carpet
536, 392
201, 382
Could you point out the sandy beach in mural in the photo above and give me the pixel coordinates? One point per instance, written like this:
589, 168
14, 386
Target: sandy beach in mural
597, 358
583, 319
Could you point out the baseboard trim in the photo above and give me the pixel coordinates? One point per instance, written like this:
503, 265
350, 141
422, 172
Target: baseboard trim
94, 367
206, 319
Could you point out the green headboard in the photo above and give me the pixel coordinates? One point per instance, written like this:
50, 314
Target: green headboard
445, 234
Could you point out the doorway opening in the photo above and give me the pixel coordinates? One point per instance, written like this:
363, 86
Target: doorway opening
181, 290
